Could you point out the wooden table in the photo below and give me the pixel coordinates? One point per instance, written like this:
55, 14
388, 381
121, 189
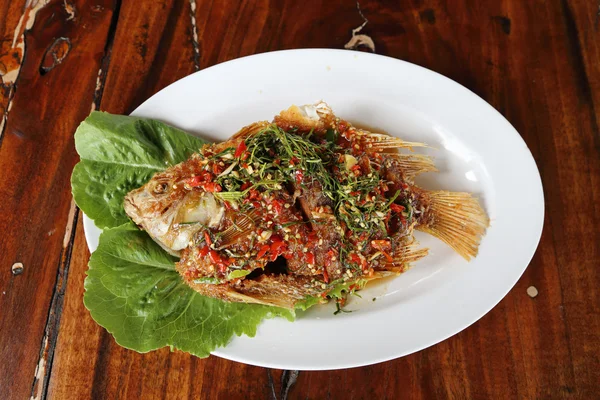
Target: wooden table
535, 61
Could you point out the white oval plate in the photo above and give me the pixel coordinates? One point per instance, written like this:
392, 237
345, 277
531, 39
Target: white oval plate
475, 148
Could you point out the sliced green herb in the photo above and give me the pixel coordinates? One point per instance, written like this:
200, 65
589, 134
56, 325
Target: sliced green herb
238, 273
210, 280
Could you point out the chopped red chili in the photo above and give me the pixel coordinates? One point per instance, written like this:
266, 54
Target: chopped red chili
194, 181
212, 187
397, 208
207, 238
199, 179
245, 185
299, 176
277, 248
277, 206
217, 169
359, 260
203, 251
241, 148
254, 194
263, 250
215, 257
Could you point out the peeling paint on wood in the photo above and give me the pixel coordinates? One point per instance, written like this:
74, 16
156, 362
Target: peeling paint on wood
358, 39
11, 58
195, 35
71, 10
71, 220
40, 371
97, 91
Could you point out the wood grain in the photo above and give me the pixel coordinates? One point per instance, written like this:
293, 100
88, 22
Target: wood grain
537, 62
36, 158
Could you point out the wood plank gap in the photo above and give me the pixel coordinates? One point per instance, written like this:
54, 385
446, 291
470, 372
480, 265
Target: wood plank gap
103, 71
195, 44
271, 385
39, 385
288, 379
580, 69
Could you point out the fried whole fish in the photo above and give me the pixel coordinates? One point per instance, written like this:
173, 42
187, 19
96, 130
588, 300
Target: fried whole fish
292, 208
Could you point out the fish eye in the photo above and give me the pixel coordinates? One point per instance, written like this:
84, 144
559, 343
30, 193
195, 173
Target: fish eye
160, 188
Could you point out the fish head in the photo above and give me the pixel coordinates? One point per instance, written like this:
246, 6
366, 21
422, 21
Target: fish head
171, 211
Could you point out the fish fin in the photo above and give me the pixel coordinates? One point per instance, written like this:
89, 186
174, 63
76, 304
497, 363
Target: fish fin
226, 293
242, 134
457, 219
273, 302
278, 290
250, 130
244, 224
414, 164
405, 254
381, 142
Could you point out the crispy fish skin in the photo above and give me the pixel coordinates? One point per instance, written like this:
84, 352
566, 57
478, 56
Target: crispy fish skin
229, 234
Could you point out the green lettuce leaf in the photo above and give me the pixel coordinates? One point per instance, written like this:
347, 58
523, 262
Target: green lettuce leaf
120, 153
133, 290
307, 303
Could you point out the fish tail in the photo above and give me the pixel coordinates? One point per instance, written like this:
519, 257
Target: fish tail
414, 164
457, 219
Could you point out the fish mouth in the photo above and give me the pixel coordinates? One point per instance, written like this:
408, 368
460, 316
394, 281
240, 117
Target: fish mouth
131, 208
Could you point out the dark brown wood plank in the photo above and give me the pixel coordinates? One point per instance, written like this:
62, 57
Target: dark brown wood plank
36, 158
233, 29
536, 62
152, 48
